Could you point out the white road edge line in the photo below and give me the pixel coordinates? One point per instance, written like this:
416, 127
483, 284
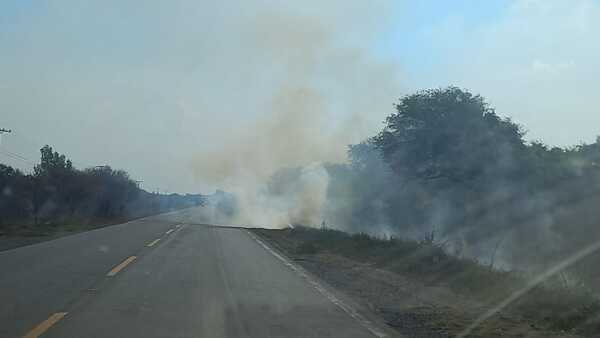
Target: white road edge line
367, 324
178, 229
151, 244
170, 231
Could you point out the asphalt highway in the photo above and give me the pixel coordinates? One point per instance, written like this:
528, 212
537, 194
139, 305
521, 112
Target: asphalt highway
166, 276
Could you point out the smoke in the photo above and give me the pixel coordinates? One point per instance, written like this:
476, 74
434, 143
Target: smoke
307, 88
316, 93
291, 196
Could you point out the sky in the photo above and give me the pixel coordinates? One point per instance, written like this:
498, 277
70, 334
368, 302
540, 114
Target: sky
184, 94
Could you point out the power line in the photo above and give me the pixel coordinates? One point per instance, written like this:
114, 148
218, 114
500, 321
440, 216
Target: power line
16, 157
10, 154
38, 146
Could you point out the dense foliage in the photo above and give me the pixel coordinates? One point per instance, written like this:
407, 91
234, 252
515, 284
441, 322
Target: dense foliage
448, 167
56, 192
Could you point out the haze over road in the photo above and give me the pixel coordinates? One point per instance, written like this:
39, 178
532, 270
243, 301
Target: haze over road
163, 276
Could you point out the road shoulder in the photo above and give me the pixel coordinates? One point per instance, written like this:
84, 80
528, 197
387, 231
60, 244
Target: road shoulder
360, 311
409, 307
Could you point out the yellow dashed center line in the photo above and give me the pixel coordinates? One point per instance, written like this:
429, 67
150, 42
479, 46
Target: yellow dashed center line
45, 325
151, 244
48, 323
121, 266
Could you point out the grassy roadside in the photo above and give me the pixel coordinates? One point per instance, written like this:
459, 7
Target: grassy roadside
19, 235
423, 292
26, 234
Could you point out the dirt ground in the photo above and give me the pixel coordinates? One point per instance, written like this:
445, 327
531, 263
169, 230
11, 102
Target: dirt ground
409, 306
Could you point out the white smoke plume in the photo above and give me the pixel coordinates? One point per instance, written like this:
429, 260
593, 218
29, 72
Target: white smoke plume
318, 94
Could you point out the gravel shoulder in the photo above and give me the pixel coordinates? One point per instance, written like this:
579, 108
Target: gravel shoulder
410, 306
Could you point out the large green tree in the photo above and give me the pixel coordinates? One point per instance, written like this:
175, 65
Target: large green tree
449, 134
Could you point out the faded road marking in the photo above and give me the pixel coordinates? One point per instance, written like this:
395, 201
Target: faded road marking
45, 325
121, 266
151, 244
364, 322
170, 231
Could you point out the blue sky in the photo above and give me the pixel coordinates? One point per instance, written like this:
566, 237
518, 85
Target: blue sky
409, 42
184, 93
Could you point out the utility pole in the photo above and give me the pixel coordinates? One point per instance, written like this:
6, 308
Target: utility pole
4, 131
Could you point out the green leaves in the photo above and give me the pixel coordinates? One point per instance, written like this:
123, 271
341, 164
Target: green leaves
447, 134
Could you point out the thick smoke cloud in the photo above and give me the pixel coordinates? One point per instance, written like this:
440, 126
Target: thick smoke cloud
319, 92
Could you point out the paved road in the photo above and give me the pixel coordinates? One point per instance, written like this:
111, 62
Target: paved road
163, 277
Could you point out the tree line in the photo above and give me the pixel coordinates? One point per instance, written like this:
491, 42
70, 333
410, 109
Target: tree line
56, 193
446, 167
446, 162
